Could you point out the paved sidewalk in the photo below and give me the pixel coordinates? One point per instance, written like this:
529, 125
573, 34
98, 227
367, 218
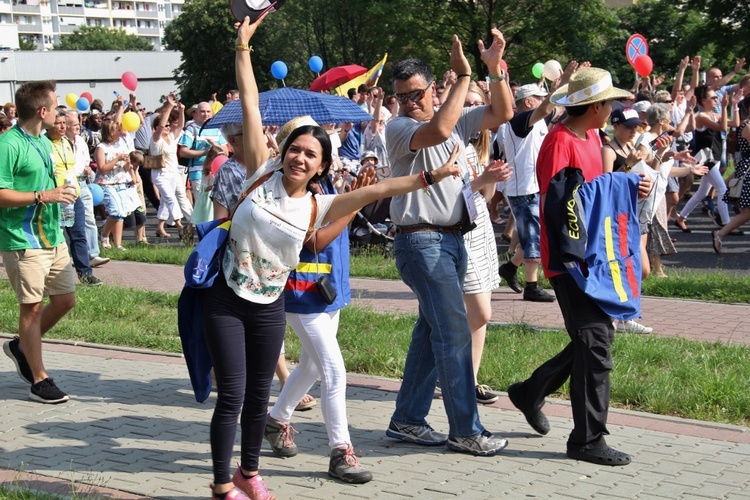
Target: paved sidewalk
133, 429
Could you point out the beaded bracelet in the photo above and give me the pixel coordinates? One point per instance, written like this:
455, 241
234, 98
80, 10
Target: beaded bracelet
240, 47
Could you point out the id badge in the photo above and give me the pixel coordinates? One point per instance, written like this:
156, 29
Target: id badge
471, 206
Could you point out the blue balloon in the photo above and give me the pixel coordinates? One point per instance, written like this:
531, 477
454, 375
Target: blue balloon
316, 63
97, 194
82, 104
278, 70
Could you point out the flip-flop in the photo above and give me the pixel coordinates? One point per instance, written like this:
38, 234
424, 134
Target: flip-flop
601, 456
716, 241
306, 403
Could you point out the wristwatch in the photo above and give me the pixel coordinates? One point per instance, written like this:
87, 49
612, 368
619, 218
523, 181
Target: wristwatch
501, 78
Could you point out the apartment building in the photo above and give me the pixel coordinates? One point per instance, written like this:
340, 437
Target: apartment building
43, 22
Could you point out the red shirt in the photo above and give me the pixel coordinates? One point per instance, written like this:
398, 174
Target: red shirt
560, 149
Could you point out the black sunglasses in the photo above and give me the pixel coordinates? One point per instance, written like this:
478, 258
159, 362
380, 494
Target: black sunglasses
414, 95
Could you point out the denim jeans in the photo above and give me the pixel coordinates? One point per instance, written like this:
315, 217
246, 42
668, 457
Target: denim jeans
92, 231
433, 265
79, 248
526, 211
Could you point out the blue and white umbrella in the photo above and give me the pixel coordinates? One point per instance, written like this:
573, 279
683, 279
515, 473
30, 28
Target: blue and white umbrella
281, 105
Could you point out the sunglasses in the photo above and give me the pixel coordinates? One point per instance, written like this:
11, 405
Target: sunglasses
414, 95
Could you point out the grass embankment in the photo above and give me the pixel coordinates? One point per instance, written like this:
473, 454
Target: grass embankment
704, 381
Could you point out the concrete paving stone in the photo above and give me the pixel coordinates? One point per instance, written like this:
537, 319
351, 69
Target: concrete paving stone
691, 479
734, 477
714, 490
666, 490
624, 489
737, 496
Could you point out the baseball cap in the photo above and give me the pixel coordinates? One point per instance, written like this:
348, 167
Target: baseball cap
626, 116
528, 90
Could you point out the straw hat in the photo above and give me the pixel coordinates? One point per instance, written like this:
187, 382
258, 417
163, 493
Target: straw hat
291, 126
587, 86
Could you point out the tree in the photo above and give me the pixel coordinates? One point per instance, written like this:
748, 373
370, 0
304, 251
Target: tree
205, 36
24, 43
101, 38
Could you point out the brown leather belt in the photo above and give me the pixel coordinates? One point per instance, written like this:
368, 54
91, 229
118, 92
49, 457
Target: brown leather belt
429, 227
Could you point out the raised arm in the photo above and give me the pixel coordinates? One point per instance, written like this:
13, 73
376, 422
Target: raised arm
729, 76
439, 128
167, 110
253, 138
680, 76
500, 109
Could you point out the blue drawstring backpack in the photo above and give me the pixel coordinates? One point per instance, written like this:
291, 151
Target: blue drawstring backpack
201, 269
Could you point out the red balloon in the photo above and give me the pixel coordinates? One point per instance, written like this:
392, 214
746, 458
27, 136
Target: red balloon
643, 65
130, 81
88, 97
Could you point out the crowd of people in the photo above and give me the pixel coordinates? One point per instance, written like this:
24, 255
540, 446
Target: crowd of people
448, 154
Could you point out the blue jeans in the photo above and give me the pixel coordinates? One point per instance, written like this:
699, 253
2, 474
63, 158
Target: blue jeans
526, 212
79, 248
433, 265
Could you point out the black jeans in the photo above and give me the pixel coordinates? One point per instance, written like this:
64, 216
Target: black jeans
244, 340
586, 360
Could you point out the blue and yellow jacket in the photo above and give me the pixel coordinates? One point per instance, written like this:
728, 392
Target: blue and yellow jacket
594, 235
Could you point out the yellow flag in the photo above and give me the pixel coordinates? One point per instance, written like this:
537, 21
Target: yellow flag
370, 78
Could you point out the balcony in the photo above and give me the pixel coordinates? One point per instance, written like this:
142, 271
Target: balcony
18, 8
96, 12
148, 31
35, 28
68, 28
69, 11
123, 14
147, 14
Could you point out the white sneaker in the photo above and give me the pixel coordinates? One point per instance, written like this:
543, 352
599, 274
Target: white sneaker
632, 326
98, 261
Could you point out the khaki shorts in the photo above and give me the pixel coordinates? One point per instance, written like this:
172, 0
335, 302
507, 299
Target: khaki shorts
36, 271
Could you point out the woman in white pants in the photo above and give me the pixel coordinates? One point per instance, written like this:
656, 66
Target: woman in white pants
167, 132
316, 322
709, 126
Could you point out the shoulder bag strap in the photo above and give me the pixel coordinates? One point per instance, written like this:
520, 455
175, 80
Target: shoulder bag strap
313, 217
249, 190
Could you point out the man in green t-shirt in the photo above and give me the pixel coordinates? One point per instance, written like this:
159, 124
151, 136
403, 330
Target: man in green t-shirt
32, 245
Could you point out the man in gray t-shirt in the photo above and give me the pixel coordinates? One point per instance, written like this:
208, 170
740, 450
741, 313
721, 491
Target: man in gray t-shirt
429, 246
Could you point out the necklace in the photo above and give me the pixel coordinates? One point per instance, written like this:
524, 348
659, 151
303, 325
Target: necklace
572, 131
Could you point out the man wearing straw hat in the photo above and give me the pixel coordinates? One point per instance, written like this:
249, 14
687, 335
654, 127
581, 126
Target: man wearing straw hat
586, 360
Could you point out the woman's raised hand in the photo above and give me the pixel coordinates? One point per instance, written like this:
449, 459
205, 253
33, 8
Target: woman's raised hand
246, 29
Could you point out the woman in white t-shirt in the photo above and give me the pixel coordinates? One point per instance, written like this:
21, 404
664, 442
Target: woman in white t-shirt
244, 315
167, 132
114, 175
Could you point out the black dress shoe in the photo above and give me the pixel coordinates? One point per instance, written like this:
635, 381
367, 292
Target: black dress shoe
536, 419
509, 275
602, 456
537, 294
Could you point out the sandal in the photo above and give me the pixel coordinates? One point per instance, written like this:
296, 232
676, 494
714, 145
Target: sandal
716, 241
306, 403
105, 243
602, 456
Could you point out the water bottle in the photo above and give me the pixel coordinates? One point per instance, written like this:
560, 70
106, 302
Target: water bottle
67, 210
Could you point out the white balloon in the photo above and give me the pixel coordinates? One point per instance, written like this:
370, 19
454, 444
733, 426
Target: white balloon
552, 70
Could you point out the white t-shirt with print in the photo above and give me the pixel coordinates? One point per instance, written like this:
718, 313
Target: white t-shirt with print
267, 233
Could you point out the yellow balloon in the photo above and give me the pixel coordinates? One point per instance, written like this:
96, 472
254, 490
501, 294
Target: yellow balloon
71, 100
131, 121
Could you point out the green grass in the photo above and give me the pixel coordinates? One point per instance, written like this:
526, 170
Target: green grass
7, 493
704, 381
714, 286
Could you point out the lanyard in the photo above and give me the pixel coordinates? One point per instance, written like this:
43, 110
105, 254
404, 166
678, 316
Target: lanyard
61, 151
47, 160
